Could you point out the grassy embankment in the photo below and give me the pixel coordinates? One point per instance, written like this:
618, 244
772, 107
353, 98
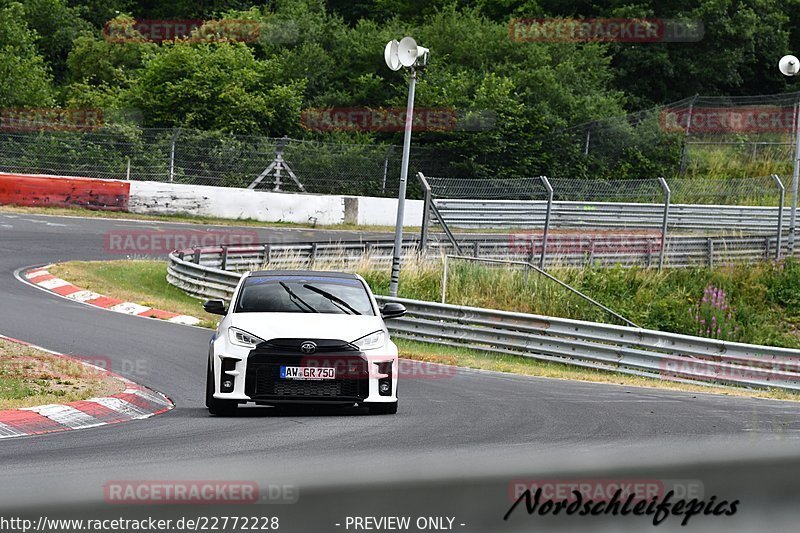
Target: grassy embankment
30, 377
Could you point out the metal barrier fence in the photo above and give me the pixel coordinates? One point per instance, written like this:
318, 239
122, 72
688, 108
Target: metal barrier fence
569, 250
622, 349
626, 219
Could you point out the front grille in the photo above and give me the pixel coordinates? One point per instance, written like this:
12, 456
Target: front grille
268, 383
263, 381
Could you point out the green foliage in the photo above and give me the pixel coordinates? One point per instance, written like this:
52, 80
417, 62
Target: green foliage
783, 286
24, 75
216, 87
57, 26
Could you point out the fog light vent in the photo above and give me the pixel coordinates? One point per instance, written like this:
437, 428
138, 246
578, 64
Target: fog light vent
227, 382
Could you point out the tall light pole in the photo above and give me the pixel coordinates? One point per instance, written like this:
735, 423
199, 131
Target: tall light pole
406, 54
790, 66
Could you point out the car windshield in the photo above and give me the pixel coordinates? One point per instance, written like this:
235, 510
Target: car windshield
296, 294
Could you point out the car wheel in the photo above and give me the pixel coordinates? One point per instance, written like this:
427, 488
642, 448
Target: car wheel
383, 408
215, 406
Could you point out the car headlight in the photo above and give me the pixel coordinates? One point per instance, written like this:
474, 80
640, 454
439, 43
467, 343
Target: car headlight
242, 338
372, 341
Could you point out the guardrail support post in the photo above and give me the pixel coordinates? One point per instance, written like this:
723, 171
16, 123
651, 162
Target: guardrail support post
267, 254
196, 256
444, 279
312, 258
549, 188
224, 258
710, 252
175, 132
782, 190
667, 197
426, 213
795, 178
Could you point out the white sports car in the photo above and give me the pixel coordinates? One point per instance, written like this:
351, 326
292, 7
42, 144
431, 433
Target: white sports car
302, 337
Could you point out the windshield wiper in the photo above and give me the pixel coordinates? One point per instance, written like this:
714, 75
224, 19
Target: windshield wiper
296, 298
341, 304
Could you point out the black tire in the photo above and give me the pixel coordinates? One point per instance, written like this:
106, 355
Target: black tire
383, 408
215, 406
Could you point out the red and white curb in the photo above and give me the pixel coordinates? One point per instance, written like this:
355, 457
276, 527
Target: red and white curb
43, 279
134, 403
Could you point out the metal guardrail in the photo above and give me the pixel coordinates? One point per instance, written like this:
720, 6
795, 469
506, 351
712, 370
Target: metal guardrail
572, 250
622, 349
477, 214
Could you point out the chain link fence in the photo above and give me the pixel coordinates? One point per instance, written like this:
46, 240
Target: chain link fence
699, 135
217, 159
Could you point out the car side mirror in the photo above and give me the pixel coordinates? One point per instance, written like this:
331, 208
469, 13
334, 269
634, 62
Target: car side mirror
393, 310
215, 307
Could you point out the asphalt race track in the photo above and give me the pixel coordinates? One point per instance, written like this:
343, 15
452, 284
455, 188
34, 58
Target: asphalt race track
448, 431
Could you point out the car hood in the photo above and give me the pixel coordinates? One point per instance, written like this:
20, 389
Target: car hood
306, 325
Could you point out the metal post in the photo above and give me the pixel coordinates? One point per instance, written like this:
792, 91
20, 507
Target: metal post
549, 188
386, 168
710, 252
782, 189
668, 196
795, 174
686, 135
426, 213
401, 195
312, 259
128, 170
224, 264
794, 129
586, 146
172, 153
444, 279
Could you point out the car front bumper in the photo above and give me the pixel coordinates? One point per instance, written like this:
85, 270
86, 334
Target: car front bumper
255, 374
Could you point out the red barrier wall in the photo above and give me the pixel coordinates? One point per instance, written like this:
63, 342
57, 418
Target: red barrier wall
53, 191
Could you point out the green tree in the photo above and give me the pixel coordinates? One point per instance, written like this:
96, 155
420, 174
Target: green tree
217, 87
56, 25
24, 77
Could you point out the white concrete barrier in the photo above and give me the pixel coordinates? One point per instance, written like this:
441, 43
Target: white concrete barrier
228, 202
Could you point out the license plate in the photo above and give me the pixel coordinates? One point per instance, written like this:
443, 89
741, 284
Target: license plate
307, 372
